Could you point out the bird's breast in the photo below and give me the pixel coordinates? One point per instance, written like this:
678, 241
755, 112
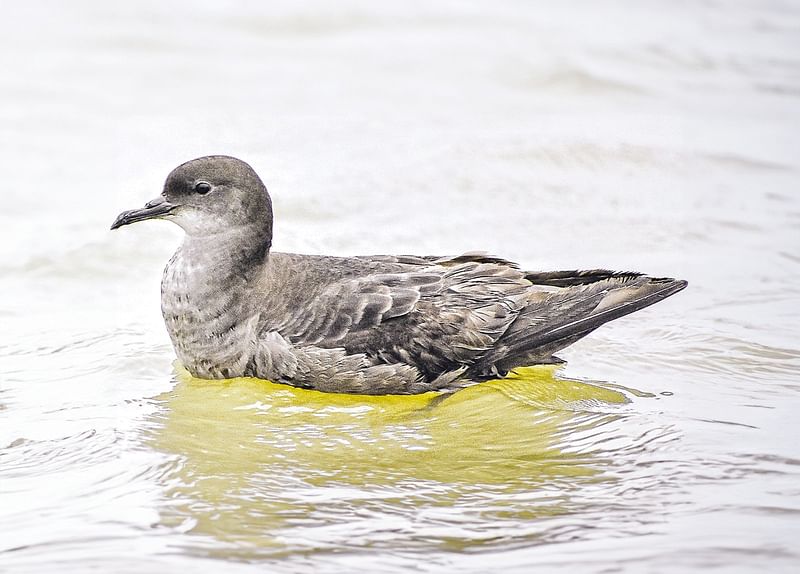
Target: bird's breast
209, 326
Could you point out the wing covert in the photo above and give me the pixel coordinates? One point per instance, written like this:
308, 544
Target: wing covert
358, 304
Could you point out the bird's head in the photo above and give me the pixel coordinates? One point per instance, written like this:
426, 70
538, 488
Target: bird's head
207, 196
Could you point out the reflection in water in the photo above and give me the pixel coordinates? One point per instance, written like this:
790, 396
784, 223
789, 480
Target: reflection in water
272, 468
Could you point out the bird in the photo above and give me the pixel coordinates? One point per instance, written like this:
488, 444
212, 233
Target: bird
374, 325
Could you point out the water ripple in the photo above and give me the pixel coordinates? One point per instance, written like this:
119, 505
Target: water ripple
272, 468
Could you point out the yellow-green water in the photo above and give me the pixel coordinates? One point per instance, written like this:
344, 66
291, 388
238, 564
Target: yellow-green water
257, 458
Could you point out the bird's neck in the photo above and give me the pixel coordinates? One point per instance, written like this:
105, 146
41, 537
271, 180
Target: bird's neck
239, 253
209, 301
206, 271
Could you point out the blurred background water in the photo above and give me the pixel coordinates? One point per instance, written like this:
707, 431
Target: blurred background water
654, 136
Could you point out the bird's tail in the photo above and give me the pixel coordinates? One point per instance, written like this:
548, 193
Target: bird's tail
565, 306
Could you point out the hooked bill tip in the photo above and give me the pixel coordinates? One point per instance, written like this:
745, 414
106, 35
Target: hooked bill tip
119, 221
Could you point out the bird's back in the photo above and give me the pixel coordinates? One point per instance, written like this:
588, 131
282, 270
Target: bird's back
474, 313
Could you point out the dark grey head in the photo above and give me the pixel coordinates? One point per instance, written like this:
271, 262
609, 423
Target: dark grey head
210, 195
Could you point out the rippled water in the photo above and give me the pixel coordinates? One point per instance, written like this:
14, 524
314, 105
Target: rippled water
659, 137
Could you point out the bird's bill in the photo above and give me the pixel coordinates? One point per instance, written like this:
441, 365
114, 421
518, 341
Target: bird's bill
154, 209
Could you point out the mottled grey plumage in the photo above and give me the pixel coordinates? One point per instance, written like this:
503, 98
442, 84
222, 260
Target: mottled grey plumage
372, 325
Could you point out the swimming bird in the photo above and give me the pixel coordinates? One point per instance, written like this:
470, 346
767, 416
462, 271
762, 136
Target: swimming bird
380, 324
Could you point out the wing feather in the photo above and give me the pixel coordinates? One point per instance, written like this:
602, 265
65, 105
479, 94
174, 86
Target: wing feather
437, 317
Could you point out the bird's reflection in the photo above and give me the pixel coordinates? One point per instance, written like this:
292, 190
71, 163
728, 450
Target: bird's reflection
270, 467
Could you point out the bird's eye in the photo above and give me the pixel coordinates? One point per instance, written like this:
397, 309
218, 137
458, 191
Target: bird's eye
202, 187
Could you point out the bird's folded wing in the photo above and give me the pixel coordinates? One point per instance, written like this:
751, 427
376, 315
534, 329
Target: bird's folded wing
358, 303
441, 316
